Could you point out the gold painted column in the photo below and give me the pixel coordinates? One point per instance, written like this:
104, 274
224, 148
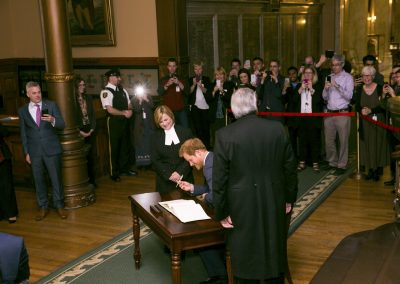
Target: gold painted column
59, 76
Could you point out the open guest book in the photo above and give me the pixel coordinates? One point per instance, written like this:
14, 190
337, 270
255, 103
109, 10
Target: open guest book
185, 210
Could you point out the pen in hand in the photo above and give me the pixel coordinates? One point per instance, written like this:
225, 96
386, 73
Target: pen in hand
180, 179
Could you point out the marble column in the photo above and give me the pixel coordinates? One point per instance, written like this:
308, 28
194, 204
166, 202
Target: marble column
59, 76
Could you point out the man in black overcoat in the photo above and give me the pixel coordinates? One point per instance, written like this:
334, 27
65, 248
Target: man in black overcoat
254, 185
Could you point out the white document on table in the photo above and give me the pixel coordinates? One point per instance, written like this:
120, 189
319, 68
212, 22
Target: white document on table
185, 210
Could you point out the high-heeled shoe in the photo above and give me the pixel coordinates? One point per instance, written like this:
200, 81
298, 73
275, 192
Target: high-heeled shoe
301, 166
12, 220
315, 168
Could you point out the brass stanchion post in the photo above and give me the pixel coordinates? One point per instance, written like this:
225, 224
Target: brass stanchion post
357, 175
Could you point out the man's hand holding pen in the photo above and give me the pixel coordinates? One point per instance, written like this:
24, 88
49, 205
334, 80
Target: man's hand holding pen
186, 186
179, 180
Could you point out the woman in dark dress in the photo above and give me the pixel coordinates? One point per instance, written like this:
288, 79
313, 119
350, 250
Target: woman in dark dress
374, 148
8, 201
87, 125
167, 140
143, 129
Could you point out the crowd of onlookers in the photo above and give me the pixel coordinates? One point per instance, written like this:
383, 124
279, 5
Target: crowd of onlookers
327, 86
315, 102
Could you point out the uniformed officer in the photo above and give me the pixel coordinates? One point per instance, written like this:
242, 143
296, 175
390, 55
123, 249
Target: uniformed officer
115, 101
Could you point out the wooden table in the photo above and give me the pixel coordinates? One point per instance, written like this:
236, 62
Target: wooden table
176, 235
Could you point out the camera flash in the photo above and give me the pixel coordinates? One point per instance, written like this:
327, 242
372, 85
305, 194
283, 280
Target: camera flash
139, 91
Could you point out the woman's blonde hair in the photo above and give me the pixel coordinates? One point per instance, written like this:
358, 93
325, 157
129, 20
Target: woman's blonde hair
158, 113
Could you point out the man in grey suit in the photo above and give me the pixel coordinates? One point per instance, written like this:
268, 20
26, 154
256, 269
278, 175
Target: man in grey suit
254, 186
39, 120
196, 154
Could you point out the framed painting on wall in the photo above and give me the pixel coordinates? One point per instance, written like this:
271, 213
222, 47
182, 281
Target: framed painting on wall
91, 22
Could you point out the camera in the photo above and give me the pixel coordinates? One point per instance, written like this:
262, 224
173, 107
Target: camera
45, 111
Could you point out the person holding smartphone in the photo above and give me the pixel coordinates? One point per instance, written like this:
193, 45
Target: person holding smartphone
309, 101
291, 100
39, 122
199, 99
338, 92
221, 99
270, 91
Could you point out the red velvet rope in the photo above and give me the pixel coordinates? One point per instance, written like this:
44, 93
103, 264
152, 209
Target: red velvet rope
381, 124
325, 114
276, 113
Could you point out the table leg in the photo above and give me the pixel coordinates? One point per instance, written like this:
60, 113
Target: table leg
228, 266
176, 267
136, 238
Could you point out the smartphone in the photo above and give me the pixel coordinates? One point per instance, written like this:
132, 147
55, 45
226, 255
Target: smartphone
45, 111
305, 81
328, 78
253, 78
218, 83
287, 80
329, 53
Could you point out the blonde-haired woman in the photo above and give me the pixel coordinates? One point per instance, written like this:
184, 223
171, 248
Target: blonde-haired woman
309, 101
166, 141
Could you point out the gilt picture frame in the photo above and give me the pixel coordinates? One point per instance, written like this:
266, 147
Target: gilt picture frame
91, 22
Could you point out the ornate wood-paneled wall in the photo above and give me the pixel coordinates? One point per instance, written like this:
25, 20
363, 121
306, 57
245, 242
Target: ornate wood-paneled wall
221, 30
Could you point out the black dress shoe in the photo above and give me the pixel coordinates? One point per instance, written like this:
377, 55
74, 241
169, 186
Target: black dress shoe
12, 220
115, 178
339, 171
327, 167
215, 279
389, 182
129, 173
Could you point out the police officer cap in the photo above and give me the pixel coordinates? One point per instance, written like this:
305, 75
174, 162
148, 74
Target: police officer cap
113, 72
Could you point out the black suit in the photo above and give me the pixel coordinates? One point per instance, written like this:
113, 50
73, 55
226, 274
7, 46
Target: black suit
254, 176
166, 160
44, 148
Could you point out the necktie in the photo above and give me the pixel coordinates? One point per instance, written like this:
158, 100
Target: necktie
38, 114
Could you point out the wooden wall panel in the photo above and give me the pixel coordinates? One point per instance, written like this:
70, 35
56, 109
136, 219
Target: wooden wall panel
228, 42
201, 45
246, 29
271, 39
287, 41
251, 36
302, 39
